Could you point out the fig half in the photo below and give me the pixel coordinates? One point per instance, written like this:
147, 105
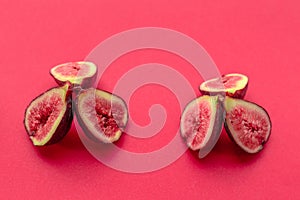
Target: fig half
201, 123
103, 116
49, 116
247, 124
234, 85
81, 73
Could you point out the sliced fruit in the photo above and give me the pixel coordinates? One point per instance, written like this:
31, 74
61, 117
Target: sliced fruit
247, 123
201, 123
234, 85
102, 115
81, 73
48, 117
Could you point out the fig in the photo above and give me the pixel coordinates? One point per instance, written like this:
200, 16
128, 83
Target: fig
201, 123
80, 73
234, 85
247, 124
49, 116
102, 116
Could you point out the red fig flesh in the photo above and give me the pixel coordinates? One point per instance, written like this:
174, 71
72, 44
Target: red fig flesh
201, 123
103, 116
247, 123
48, 117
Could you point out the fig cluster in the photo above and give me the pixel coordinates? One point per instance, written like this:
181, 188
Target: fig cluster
102, 115
247, 124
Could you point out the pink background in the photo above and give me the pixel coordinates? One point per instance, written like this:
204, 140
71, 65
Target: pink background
257, 38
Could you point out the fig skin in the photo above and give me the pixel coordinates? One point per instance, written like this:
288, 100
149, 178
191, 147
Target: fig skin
230, 134
85, 83
65, 124
85, 128
238, 94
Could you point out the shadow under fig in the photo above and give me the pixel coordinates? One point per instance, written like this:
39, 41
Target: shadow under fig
225, 153
69, 146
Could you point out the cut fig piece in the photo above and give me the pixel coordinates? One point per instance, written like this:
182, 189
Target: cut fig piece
201, 123
48, 117
247, 124
102, 116
81, 73
234, 85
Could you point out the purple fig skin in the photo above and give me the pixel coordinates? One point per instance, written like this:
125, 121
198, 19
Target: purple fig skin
86, 82
64, 126
238, 94
65, 123
85, 128
230, 134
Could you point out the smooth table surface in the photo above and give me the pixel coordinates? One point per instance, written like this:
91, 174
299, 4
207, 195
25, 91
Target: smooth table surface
256, 38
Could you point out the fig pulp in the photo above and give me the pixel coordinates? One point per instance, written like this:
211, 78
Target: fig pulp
77, 73
247, 124
234, 85
201, 123
102, 115
48, 117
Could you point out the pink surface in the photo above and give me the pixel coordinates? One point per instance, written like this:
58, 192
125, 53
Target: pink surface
259, 39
